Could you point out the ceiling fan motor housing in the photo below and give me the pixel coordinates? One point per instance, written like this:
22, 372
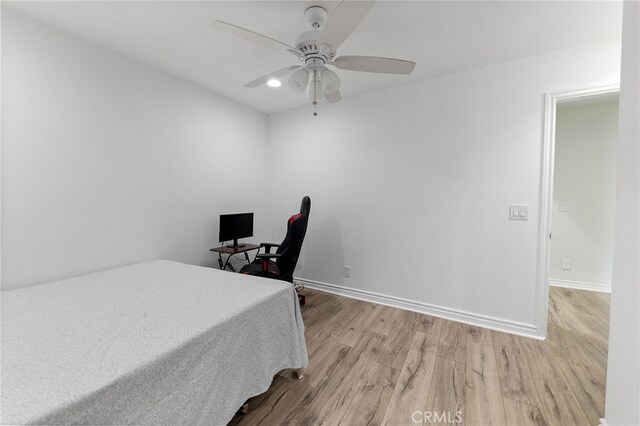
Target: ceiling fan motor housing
307, 42
308, 45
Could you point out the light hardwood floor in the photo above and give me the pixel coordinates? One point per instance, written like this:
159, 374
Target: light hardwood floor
371, 364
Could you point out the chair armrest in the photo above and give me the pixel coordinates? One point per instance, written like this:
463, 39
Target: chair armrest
267, 255
267, 246
264, 258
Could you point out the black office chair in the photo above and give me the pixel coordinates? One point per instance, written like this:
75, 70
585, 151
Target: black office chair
281, 264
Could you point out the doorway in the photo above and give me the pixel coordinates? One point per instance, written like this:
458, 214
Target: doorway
576, 205
583, 193
576, 235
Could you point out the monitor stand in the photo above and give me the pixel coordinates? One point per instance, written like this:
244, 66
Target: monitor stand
236, 245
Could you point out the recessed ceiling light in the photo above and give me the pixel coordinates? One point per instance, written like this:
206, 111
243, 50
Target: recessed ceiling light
274, 83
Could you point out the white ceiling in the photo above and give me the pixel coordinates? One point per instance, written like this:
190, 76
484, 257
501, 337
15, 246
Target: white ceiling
442, 37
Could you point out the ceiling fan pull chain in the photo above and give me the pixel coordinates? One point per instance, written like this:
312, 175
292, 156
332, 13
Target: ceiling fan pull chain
315, 102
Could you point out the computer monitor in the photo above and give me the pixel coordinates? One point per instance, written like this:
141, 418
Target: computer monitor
235, 226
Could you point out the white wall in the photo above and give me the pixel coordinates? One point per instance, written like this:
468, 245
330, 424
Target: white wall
585, 177
623, 372
108, 162
411, 186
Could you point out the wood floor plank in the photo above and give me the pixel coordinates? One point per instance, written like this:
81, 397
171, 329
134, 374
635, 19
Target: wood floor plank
318, 300
412, 388
329, 403
554, 312
570, 345
447, 394
453, 338
557, 401
285, 401
394, 353
370, 403
425, 323
583, 312
484, 397
404, 324
341, 320
315, 343
385, 320
362, 319
321, 317
588, 386
479, 335
519, 413
515, 379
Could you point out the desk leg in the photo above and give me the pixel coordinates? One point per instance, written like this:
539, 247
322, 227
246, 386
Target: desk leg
227, 264
224, 264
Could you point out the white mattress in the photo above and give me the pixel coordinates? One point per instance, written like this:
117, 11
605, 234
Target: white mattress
158, 342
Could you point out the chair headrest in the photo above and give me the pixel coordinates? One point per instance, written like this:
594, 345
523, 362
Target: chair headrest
305, 206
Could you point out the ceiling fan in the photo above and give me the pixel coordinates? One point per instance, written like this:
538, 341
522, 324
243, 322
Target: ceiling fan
317, 48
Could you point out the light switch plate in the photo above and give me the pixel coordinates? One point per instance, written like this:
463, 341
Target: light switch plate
566, 206
519, 212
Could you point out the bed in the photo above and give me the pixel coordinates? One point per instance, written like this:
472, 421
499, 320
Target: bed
153, 343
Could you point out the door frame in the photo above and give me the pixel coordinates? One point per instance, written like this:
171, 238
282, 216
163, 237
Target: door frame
546, 189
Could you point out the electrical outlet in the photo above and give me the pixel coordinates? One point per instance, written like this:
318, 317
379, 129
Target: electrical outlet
346, 271
566, 264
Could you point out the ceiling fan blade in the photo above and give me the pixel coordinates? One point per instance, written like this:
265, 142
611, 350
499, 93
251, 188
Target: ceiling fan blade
343, 21
374, 64
253, 36
333, 97
276, 74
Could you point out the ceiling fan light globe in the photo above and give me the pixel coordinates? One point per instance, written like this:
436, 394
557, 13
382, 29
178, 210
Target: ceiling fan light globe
298, 80
330, 81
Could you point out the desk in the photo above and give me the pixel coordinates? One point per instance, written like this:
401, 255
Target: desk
230, 251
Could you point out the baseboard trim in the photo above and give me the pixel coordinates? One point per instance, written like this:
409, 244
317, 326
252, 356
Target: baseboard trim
603, 422
580, 285
498, 324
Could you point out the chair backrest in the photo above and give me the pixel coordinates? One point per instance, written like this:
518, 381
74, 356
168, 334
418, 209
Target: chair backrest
292, 244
